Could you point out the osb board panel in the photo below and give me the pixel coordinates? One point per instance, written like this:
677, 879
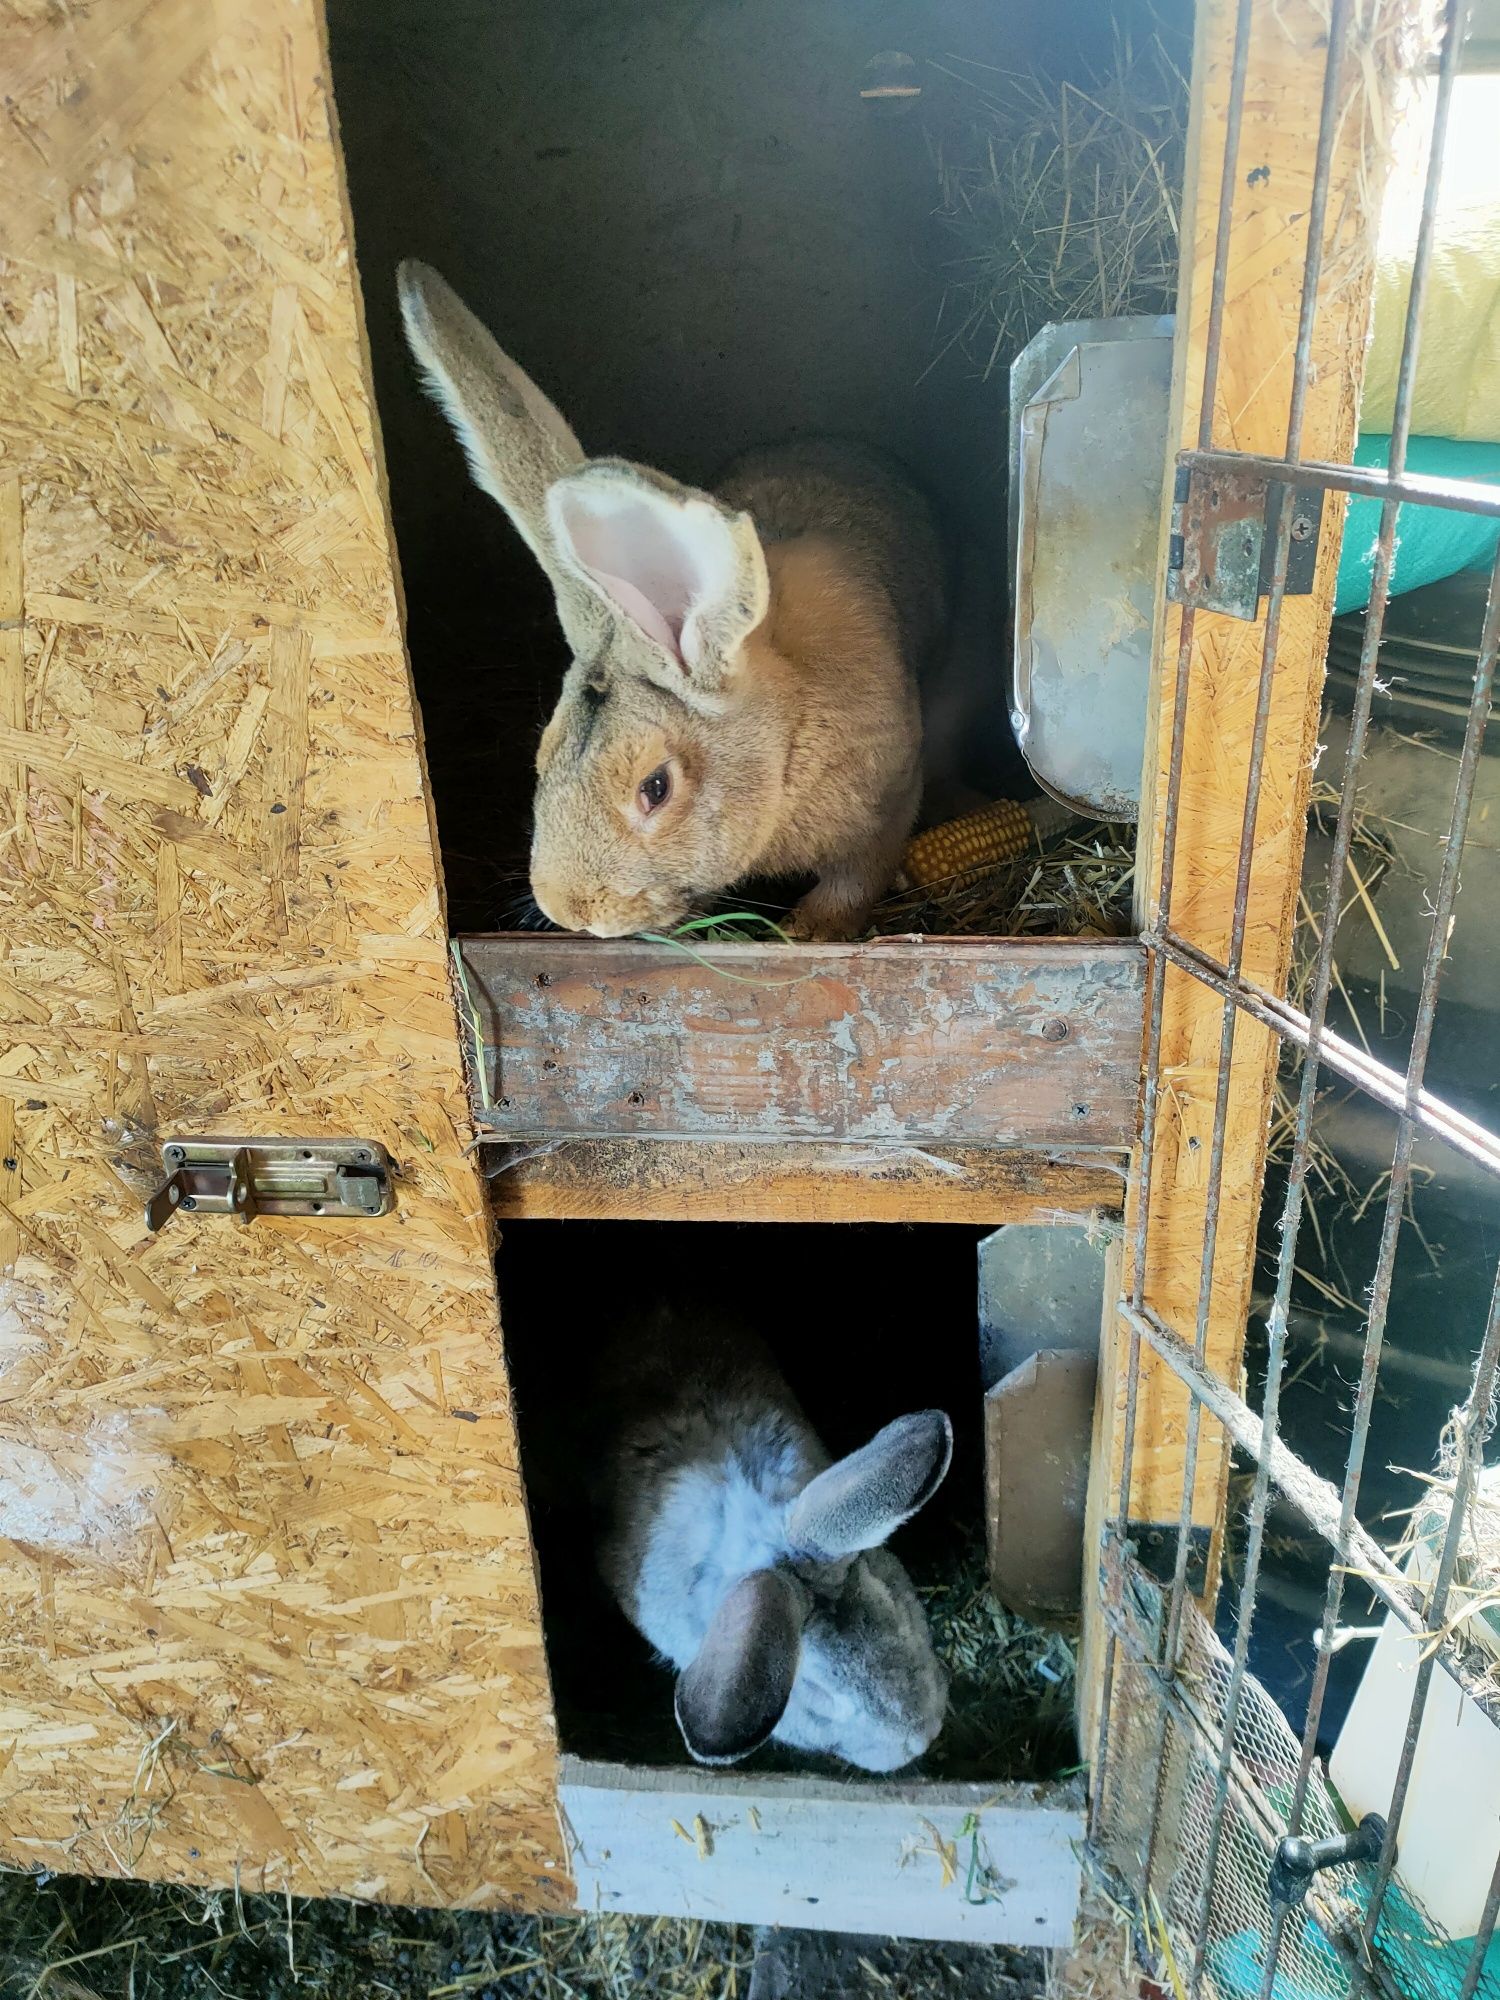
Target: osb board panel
267, 1597
690, 1180
1272, 190
910, 1040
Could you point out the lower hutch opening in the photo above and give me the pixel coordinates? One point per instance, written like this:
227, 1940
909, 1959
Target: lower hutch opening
866, 1323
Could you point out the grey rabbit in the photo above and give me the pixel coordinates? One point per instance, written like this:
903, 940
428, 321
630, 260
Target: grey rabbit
754, 1564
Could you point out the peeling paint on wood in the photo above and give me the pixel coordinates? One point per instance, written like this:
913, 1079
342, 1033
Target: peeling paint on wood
906, 1040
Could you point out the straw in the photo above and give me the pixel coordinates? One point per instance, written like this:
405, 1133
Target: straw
1063, 200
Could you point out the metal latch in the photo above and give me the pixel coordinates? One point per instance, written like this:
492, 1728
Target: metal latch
249, 1177
1222, 548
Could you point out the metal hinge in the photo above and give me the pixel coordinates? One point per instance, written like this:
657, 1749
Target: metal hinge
249, 1177
1223, 540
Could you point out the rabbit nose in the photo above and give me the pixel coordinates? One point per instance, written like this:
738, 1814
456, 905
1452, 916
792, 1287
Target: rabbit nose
611, 920
555, 905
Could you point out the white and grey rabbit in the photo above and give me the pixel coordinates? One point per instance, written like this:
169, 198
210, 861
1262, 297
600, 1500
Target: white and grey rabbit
753, 1564
743, 694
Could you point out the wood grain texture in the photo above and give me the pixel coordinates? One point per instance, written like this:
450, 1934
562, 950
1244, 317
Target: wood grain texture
267, 1596
688, 1180
913, 1041
890, 1857
1272, 189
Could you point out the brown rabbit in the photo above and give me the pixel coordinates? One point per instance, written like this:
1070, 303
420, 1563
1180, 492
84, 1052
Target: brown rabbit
743, 694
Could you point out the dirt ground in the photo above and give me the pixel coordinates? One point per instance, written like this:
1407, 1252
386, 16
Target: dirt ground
63, 1938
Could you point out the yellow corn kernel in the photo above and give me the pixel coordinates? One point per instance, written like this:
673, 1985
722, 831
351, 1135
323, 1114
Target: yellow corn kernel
979, 840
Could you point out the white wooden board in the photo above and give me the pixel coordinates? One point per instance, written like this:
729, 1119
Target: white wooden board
988, 1864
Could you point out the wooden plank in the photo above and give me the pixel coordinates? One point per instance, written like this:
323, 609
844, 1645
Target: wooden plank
268, 1596
1000, 1041
1272, 189
693, 1180
887, 1857
1037, 1421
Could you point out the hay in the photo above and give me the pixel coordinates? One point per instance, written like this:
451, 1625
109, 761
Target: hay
1331, 1193
1472, 1622
1011, 1696
1063, 198
1104, 1963
66, 1938
1076, 886
1372, 854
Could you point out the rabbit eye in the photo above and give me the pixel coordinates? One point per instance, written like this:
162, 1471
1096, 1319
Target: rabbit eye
655, 790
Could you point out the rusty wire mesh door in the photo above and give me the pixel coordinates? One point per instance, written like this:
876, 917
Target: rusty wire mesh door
1198, 1778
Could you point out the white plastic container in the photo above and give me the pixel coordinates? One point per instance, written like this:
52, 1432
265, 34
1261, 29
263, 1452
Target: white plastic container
1450, 1827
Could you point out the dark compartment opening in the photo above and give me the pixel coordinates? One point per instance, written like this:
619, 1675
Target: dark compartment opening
867, 1322
693, 230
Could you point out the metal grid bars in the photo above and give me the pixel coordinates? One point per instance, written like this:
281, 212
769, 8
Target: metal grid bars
1187, 1716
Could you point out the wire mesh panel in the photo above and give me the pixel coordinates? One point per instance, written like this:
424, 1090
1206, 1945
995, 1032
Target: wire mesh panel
1202, 1848
1202, 1790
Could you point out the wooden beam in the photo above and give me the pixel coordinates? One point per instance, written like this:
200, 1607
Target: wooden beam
827, 1853
1272, 194
685, 1180
930, 1041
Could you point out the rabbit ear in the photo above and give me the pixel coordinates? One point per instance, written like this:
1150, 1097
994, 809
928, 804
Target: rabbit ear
688, 573
861, 1501
735, 1692
515, 441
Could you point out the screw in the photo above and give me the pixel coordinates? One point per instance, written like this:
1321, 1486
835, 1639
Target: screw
1055, 1031
177, 1153
1301, 528
1080, 1111
188, 1201
364, 1156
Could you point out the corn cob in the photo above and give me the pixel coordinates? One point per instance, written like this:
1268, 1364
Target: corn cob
981, 840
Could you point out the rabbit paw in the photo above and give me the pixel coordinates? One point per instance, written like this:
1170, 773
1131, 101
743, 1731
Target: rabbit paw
829, 914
